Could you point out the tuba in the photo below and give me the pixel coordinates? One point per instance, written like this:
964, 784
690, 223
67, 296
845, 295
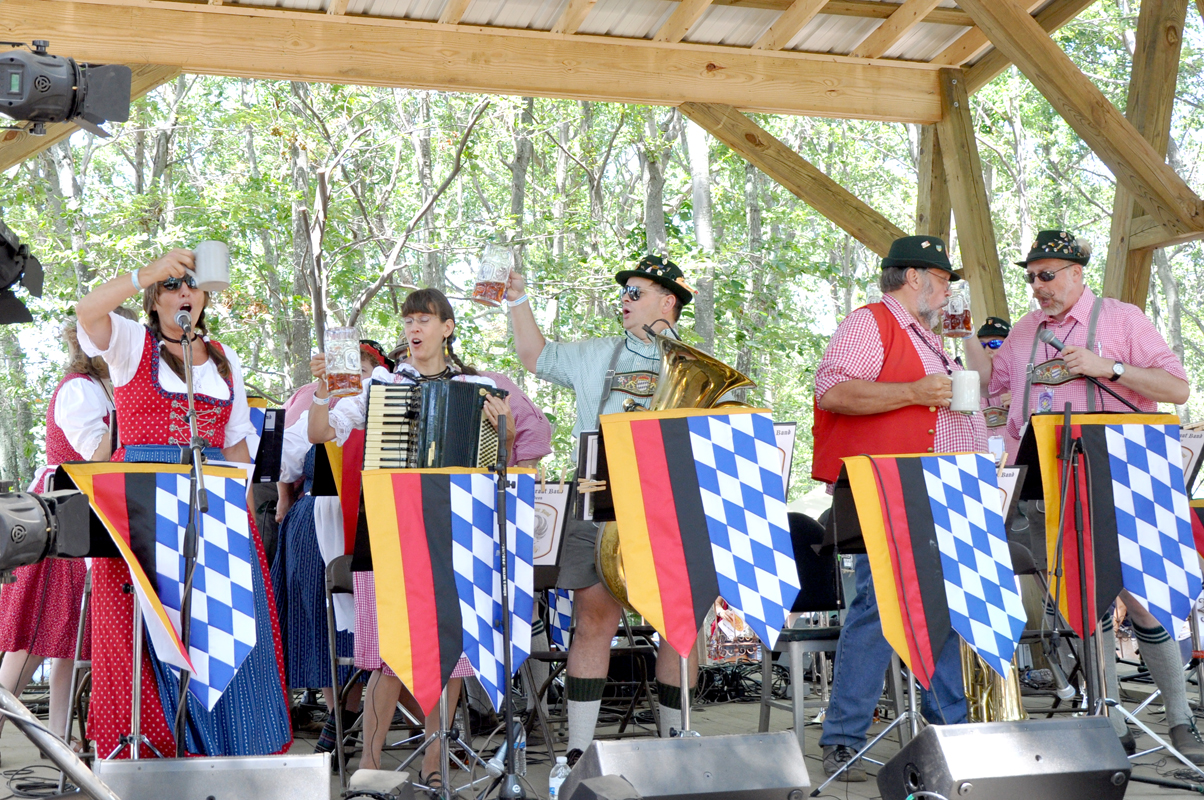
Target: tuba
689, 378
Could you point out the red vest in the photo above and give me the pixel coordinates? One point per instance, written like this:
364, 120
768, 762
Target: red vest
911, 429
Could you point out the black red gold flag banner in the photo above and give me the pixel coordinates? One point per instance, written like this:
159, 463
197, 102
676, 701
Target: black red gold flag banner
418, 607
897, 526
337, 471
1197, 524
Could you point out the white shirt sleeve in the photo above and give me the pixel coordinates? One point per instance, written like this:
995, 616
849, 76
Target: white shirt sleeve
351, 412
125, 348
80, 409
296, 445
240, 426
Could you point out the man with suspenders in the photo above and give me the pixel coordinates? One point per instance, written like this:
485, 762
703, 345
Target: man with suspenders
608, 375
1112, 341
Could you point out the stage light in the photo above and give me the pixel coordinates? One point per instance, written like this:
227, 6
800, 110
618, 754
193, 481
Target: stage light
34, 527
17, 265
38, 88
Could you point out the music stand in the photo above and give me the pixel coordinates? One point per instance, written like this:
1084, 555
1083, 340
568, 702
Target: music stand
1039, 454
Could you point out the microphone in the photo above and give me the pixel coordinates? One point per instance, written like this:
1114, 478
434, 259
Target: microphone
1047, 336
184, 320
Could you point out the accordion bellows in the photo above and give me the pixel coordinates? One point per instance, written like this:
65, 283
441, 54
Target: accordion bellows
429, 425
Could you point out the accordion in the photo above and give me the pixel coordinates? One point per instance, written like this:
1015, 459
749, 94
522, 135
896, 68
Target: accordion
429, 425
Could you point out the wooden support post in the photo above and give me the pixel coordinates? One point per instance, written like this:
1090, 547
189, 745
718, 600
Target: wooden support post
1134, 162
933, 209
797, 174
18, 145
1151, 99
968, 194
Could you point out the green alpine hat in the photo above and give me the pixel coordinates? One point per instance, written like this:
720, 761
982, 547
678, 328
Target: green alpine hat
920, 252
995, 326
660, 271
1058, 244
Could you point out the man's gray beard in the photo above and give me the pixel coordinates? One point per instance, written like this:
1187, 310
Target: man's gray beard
928, 315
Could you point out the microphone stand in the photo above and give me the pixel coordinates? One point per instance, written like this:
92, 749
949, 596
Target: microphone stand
197, 506
1097, 382
511, 787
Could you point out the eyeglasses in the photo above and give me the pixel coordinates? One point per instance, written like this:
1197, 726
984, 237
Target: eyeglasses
173, 284
634, 292
993, 344
1045, 275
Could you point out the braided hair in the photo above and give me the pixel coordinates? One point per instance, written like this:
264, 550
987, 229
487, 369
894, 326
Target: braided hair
433, 301
149, 298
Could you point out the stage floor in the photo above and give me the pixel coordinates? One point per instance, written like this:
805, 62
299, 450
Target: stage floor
16, 753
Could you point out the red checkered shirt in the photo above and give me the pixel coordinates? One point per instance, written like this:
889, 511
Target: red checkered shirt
855, 353
1123, 333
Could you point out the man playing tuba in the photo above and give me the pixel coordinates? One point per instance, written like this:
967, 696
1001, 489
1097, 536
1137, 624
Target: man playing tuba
653, 295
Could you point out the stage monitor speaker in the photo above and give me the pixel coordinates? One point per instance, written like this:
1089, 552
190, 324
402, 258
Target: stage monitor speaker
754, 766
605, 787
289, 777
1055, 759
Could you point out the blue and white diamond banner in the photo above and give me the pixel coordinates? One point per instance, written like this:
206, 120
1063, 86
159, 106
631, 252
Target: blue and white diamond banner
1158, 558
560, 608
222, 631
739, 468
476, 559
985, 607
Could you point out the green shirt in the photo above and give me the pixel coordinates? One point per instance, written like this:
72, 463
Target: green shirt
581, 366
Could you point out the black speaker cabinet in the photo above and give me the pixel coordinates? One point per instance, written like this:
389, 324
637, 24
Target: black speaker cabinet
1054, 759
754, 766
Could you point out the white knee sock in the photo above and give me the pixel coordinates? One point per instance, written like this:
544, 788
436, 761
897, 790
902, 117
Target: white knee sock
584, 702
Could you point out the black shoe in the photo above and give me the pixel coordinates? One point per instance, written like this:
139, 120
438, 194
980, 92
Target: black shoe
1187, 741
573, 757
836, 756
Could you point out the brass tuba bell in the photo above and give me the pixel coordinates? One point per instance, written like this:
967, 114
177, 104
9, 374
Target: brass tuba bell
689, 378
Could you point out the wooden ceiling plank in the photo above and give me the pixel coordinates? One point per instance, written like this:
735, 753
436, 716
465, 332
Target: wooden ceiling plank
1151, 99
242, 42
1135, 163
793, 20
573, 15
453, 12
17, 145
909, 14
1054, 16
970, 201
795, 173
681, 20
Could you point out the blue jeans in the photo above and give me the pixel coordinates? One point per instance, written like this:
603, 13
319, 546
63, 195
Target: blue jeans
862, 658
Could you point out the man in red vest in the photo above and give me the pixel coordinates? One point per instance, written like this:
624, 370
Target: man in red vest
884, 387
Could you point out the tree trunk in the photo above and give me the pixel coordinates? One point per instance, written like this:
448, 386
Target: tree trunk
753, 297
654, 152
299, 343
698, 151
71, 190
523, 150
17, 434
432, 273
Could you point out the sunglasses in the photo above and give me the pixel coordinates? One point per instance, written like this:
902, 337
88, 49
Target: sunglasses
634, 292
1045, 275
174, 284
993, 344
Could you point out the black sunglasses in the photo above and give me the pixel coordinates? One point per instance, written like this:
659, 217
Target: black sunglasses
994, 344
1045, 275
173, 284
634, 292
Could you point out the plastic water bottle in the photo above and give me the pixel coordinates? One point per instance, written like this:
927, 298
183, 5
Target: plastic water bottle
557, 776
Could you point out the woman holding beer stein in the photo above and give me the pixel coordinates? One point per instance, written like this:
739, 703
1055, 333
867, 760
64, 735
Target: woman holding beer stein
430, 327
146, 367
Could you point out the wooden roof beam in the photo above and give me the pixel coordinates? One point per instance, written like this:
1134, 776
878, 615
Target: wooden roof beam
970, 44
18, 145
241, 41
793, 20
909, 14
1135, 163
1054, 16
573, 15
971, 203
797, 174
1151, 99
452, 13
681, 20
1147, 234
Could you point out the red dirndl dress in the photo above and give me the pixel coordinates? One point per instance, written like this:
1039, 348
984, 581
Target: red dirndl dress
39, 612
147, 414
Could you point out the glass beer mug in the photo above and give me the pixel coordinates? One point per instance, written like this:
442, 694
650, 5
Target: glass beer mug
343, 362
955, 317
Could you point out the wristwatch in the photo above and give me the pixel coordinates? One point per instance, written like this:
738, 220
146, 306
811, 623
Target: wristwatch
1118, 369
